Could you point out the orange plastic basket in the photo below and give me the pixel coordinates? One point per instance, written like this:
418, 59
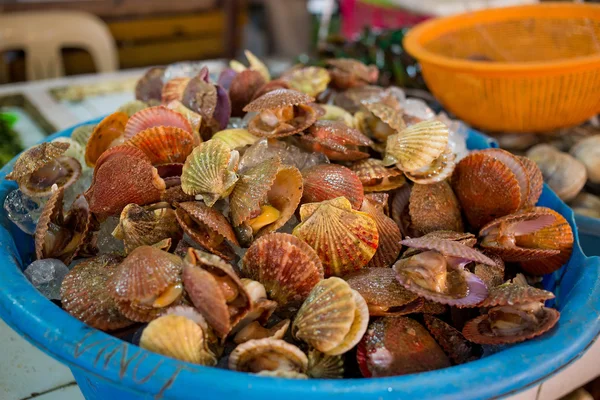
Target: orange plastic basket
522, 69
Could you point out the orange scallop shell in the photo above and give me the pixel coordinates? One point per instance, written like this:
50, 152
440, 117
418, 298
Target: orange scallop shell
486, 189
558, 236
336, 140
434, 208
207, 227
516, 166
155, 116
328, 181
286, 266
389, 236
164, 144
105, 133
536, 181
345, 239
242, 90
173, 89
123, 175
85, 293
377, 178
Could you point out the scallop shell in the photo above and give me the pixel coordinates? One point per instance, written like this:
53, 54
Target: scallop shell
85, 293
449, 248
133, 106
416, 146
153, 117
309, 80
170, 173
434, 208
351, 99
558, 236
345, 239
510, 228
486, 189
562, 172
145, 226
75, 150
459, 349
441, 169
235, 138
434, 308
145, 273
207, 227
242, 90
82, 134
201, 97
149, 86
398, 346
377, 178
332, 317
514, 293
305, 115
267, 355
389, 115
328, 181
389, 245
478, 330
336, 140
516, 166
205, 276
322, 366
107, 132
123, 175
193, 118
588, 152
255, 331
536, 181
174, 88
347, 73
382, 292
491, 275
210, 171
70, 172
35, 158
164, 144
285, 265
269, 182
177, 337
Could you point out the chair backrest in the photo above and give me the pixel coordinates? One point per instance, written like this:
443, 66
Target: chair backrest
42, 35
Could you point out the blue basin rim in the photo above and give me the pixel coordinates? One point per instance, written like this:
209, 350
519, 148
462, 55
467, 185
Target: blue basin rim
65, 338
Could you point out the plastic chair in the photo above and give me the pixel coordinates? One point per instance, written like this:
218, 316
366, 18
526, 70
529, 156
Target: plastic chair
42, 35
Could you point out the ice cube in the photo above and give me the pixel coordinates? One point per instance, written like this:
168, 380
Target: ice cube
46, 276
81, 185
457, 138
23, 210
288, 153
418, 110
237, 123
107, 243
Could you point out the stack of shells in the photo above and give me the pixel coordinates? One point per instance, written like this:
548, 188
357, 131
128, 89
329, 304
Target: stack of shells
323, 288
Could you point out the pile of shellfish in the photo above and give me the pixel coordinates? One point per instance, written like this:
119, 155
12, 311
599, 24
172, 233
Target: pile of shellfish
307, 226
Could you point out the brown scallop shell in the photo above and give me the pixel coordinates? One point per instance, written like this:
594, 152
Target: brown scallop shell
513, 293
382, 292
123, 175
478, 330
536, 181
155, 116
146, 272
486, 189
277, 354
434, 208
398, 346
286, 266
328, 181
85, 293
491, 275
173, 89
516, 166
242, 90
70, 172
377, 178
207, 227
345, 239
145, 226
278, 98
336, 140
202, 275
517, 251
104, 135
35, 158
558, 236
269, 182
389, 245
305, 117
459, 349
149, 86
164, 144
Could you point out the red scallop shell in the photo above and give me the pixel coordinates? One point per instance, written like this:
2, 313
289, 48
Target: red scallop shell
123, 176
336, 140
536, 181
155, 116
516, 166
328, 181
164, 144
434, 208
389, 236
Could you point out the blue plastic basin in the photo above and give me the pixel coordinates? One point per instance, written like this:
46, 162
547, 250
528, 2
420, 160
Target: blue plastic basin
108, 368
